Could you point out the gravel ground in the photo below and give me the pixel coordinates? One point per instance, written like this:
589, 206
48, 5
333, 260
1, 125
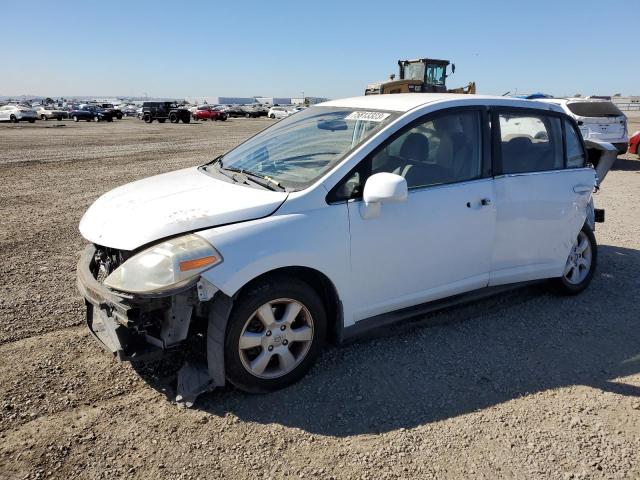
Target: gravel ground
524, 385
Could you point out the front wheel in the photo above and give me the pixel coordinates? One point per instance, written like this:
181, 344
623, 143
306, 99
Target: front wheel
13, 119
274, 335
43, 117
75, 118
32, 120
186, 120
173, 118
148, 118
580, 266
96, 118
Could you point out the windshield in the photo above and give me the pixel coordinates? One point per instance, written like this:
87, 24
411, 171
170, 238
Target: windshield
299, 149
594, 109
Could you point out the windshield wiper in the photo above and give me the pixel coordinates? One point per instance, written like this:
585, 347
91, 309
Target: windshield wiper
262, 180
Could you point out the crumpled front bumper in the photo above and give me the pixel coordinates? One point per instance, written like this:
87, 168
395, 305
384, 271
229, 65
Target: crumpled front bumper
109, 316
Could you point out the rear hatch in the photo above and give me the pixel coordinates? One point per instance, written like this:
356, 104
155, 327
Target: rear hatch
600, 120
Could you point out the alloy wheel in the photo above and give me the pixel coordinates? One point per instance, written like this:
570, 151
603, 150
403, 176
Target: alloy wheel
579, 262
276, 338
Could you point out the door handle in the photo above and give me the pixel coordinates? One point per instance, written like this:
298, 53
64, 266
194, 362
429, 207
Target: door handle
583, 188
485, 202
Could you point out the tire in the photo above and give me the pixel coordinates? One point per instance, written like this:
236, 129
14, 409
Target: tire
222, 118
173, 118
13, 119
43, 117
162, 120
96, 118
247, 115
32, 120
576, 276
59, 118
310, 321
147, 118
272, 116
186, 120
119, 116
75, 118
109, 119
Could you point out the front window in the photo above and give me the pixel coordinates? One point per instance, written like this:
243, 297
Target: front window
435, 74
298, 150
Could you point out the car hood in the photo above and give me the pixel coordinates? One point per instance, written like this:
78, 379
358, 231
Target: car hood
141, 212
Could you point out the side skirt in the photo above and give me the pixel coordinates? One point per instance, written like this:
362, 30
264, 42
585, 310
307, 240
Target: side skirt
367, 326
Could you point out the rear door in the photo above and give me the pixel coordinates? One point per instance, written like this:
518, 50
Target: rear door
542, 193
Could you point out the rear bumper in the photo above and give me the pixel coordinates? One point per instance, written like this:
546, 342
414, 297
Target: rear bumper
622, 147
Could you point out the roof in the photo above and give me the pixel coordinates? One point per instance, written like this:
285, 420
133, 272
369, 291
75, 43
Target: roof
403, 102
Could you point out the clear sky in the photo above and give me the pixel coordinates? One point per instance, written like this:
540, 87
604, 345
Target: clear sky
325, 48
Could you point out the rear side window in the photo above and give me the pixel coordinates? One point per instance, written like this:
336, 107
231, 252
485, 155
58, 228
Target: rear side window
594, 109
530, 143
575, 153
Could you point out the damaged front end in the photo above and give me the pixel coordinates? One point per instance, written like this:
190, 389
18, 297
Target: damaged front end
144, 327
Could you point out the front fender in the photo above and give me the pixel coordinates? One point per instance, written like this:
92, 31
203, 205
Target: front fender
317, 239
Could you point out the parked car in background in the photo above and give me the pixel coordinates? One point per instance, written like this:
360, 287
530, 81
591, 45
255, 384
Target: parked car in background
207, 112
89, 113
634, 143
598, 119
109, 107
278, 112
247, 111
268, 251
17, 113
47, 113
161, 111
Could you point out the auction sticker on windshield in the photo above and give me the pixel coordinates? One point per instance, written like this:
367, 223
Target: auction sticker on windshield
368, 116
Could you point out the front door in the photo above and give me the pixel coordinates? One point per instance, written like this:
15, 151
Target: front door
437, 243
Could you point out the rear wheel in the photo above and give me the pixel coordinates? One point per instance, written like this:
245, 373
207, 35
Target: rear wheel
173, 118
274, 335
580, 266
186, 119
43, 117
32, 120
13, 119
96, 118
75, 118
272, 116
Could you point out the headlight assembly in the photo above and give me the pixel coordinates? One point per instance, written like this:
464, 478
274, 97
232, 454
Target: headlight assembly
166, 266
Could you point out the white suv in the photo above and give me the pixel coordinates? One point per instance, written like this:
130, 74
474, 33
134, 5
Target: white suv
598, 120
278, 112
346, 216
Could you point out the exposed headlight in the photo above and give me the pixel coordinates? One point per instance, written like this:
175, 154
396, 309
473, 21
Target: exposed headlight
166, 266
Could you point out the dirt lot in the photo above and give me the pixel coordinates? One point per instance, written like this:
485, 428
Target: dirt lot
524, 385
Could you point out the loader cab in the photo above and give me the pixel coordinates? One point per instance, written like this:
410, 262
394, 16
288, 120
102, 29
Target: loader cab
432, 73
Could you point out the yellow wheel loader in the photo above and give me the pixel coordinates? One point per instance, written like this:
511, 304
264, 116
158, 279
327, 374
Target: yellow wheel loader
419, 76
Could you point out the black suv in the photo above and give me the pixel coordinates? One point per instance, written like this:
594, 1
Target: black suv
109, 107
162, 110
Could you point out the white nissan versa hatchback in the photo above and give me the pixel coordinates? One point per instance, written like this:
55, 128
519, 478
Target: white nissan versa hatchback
346, 216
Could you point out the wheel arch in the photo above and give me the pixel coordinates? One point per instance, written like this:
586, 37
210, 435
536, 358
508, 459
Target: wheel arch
319, 282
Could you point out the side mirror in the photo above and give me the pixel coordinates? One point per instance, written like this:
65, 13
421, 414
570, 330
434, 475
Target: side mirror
382, 188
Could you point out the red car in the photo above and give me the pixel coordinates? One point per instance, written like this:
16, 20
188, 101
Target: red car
634, 143
209, 113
